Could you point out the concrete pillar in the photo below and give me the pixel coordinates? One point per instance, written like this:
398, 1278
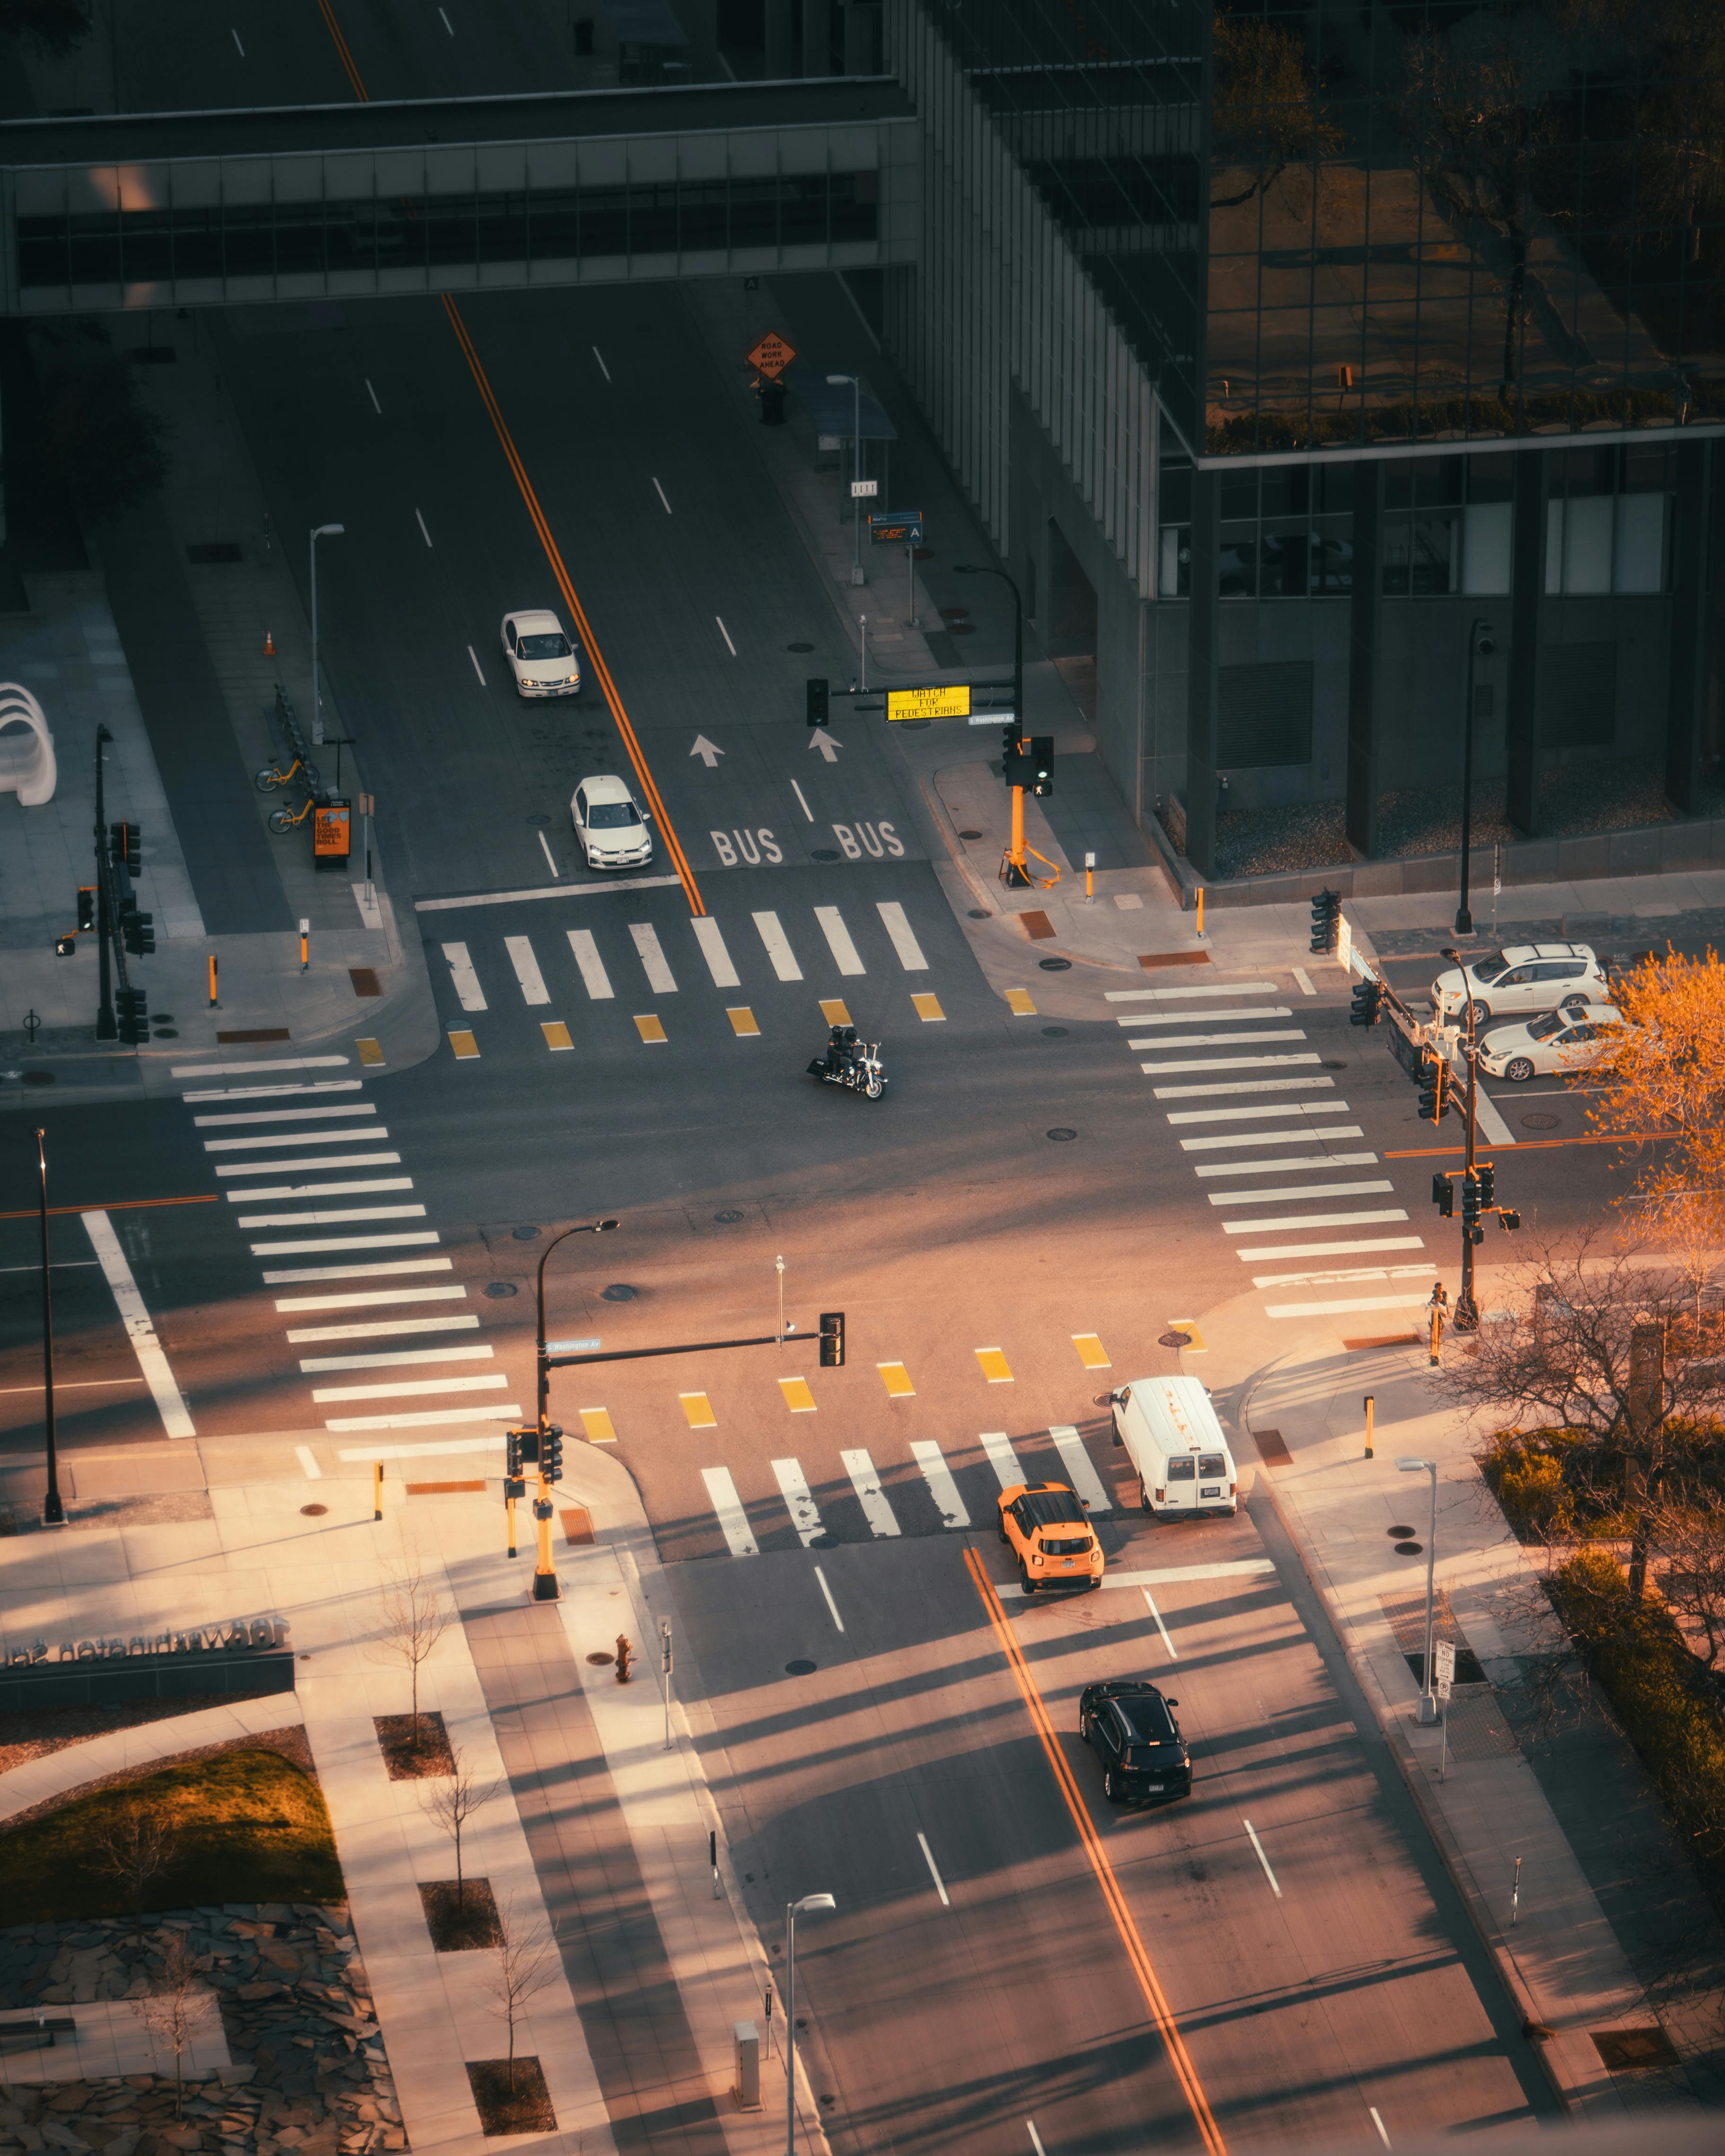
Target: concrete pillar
1363, 640
1526, 611
1698, 623
817, 37
780, 50
1201, 686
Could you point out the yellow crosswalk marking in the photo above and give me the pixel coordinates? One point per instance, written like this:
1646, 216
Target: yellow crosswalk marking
1091, 1351
995, 1367
1019, 1003
1194, 1338
698, 1409
597, 1423
833, 1010
896, 1378
464, 1044
798, 1397
369, 1051
927, 1008
648, 1026
742, 1023
556, 1034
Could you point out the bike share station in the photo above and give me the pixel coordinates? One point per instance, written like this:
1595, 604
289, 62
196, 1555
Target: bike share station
330, 813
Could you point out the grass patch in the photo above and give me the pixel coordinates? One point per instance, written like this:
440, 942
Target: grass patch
249, 1827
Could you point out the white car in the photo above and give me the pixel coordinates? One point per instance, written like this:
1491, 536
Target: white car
540, 656
1525, 977
610, 828
1562, 1041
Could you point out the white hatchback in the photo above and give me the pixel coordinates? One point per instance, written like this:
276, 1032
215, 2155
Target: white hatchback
1564, 1041
609, 826
1524, 977
540, 656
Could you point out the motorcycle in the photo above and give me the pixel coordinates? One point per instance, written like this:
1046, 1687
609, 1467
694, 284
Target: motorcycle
851, 1063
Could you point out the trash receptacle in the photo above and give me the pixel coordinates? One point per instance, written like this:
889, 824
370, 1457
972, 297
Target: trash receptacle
772, 403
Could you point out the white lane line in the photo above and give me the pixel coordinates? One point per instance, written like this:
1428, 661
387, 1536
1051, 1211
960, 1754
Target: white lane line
1263, 1114
1353, 1306
593, 977
652, 957
1232, 1138
550, 858
1081, 1473
934, 1871
1226, 1063
285, 1114
870, 1495
1494, 1131
1301, 1190
294, 1190
279, 1092
1279, 1167
139, 1329
1174, 1652
1203, 1017
827, 1592
468, 991
1303, 981
338, 1242
726, 633
245, 1069
733, 1521
777, 947
600, 356
805, 1513
800, 802
371, 1298
904, 939
308, 1460
424, 533
372, 394
395, 1359
439, 1446
1177, 995
1252, 1085
1035, 2138
409, 1387
1330, 1250
369, 1271
839, 942
710, 938
929, 1457
477, 668
661, 492
1287, 1223
1004, 1461
428, 1417
316, 1160
367, 1134
1262, 1858
234, 35
526, 969
541, 890
1372, 2110
448, 24
307, 1334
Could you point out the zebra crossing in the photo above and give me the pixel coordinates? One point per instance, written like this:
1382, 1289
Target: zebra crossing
1281, 1147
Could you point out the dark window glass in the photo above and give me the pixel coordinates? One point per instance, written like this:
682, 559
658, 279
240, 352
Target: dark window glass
1238, 562
1182, 1471
1240, 494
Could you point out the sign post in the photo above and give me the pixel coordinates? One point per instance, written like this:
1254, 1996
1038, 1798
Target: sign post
902, 529
1443, 1664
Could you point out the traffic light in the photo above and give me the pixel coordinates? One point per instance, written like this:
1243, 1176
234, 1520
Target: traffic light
1434, 1089
1487, 1172
1014, 757
1471, 1229
1443, 1196
551, 1454
86, 907
125, 847
1326, 920
832, 1340
816, 700
524, 1444
1042, 764
131, 1010
1508, 1219
1367, 1004
138, 933
512, 1454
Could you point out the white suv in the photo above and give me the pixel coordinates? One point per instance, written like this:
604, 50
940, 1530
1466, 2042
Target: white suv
1525, 978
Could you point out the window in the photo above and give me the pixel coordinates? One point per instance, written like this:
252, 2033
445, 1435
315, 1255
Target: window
1605, 521
1212, 1464
1182, 1471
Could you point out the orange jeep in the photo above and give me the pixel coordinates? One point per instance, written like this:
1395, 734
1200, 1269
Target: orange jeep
1044, 1523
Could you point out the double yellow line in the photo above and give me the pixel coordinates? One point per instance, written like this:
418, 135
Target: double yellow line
1124, 1923
685, 875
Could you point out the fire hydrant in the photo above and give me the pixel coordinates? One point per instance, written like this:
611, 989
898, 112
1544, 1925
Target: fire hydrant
625, 1655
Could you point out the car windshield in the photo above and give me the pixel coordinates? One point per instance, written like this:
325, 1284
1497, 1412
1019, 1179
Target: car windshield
611, 815
1543, 1029
553, 646
1488, 969
1065, 1545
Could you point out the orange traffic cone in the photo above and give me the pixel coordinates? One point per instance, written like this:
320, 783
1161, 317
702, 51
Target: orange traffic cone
268, 645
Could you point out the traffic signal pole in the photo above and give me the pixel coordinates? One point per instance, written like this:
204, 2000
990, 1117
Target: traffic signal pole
106, 1029
1466, 1315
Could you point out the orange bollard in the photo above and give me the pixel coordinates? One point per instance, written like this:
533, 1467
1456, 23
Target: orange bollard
268, 645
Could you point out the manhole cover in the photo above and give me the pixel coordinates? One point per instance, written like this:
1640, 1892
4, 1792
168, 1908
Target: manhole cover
1173, 1340
537, 821
1329, 1065
1054, 1032
314, 1511
980, 913
168, 1032
601, 1660
1059, 1134
499, 1290
527, 1235
1409, 1549
618, 1291
825, 853
800, 1669
824, 1542
1055, 965
970, 834
955, 614
800, 647
1400, 1534
1541, 1122
729, 1217
39, 1078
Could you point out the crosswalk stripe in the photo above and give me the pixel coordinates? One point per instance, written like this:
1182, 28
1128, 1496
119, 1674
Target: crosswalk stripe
332, 1218
649, 1027
289, 1115
722, 1491
1179, 995
278, 1092
468, 994
929, 1457
358, 1189
1227, 1063
316, 1160
1161, 1045
371, 1269
309, 1243
381, 1327
711, 940
660, 977
1347, 1277
1202, 1017
870, 1495
428, 1417
1257, 1114
392, 1359
1081, 1469
409, 1388
1279, 1167
593, 977
246, 1069
777, 947
1330, 1250
367, 1134
839, 942
1008, 1472
370, 1298
1248, 1085
1263, 1138
805, 1513
1352, 1306
1296, 1220
904, 936
1301, 1190
526, 969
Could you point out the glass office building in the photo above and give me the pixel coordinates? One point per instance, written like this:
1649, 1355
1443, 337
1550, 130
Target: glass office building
1277, 343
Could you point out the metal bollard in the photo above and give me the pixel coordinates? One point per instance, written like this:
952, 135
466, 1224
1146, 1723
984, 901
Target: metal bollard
214, 1002
376, 1489
1371, 1403
305, 945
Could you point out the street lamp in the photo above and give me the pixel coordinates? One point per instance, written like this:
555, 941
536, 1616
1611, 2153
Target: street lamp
545, 1578
855, 382
319, 531
1480, 645
791, 1910
1016, 851
1467, 1310
1428, 1700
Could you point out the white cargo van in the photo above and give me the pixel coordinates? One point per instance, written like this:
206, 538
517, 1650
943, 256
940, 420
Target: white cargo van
1170, 1429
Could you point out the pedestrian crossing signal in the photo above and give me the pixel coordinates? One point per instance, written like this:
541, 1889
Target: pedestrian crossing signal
816, 699
86, 907
1368, 1006
1042, 764
832, 1340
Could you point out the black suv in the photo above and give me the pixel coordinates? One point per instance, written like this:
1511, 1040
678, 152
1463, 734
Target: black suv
1126, 1724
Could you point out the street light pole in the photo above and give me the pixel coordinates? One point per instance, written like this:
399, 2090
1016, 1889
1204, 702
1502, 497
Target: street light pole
1428, 1698
1015, 851
106, 1027
855, 382
321, 531
53, 1512
545, 1578
808, 1902
1466, 1317
1479, 645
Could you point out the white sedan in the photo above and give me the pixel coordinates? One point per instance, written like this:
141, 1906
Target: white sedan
1562, 1041
542, 660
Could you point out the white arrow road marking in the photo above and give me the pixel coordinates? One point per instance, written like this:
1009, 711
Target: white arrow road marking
708, 752
140, 1328
828, 744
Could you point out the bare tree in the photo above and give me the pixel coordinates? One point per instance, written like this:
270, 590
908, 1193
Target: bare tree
134, 1844
174, 2008
414, 1619
526, 1962
1689, 1542
1266, 111
453, 1801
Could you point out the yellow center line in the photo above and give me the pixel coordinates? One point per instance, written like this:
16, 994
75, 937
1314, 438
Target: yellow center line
1538, 1145
334, 28
1154, 1998
109, 1205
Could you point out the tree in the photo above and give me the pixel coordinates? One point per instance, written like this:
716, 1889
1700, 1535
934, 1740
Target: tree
174, 2007
1267, 112
453, 1801
1663, 1082
1689, 1539
55, 28
99, 441
134, 1844
526, 1962
414, 1619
